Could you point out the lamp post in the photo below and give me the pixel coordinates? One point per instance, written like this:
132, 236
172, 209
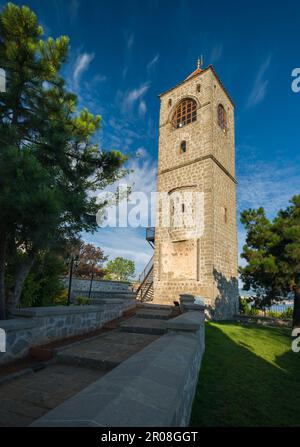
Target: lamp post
74, 259
91, 283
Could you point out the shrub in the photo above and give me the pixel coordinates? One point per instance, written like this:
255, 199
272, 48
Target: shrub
82, 300
253, 311
43, 284
61, 299
245, 308
288, 313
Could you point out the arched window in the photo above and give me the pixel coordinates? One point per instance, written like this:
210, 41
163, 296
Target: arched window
185, 113
222, 119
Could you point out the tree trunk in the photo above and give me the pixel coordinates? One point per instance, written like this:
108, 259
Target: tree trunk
296, 313
19, 278
3, 246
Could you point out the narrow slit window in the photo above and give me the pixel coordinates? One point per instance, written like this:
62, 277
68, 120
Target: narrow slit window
222, 118
225, 215
183, 147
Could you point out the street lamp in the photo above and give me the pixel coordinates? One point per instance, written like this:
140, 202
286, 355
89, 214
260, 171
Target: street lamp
91, 283
73, 260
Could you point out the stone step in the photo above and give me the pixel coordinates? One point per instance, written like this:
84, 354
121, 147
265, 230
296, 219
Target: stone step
106, 351
157, 314
144, 326
155, 306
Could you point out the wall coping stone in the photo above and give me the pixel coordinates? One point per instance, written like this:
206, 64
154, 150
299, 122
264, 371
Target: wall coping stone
194, 307
36, 312
17, 324
190, 321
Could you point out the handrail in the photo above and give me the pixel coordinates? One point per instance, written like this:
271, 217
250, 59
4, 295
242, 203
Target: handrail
145, 271
145, 294
140, 287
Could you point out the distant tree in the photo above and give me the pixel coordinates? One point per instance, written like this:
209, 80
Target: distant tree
50, 165
120, 269
91, 259
272, 252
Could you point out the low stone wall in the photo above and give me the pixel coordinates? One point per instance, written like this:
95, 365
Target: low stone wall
153, 388
264, 321
83, 285
98, 297
39, 325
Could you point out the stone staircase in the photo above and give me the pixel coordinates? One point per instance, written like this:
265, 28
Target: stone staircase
144, 292
149, 320
73, 365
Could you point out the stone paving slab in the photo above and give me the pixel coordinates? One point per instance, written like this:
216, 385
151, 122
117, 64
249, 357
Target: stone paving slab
106, 351
144, 326
30, 397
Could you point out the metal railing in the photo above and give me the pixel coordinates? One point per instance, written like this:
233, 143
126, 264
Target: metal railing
146, 271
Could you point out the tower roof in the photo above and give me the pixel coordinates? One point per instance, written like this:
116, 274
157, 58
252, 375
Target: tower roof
197, 72
198, 69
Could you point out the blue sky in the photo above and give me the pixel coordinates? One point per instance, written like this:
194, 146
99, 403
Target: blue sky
123, 54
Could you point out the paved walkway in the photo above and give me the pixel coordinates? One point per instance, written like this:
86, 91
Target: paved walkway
29, 397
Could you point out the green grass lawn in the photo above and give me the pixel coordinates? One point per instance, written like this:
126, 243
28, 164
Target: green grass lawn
249, 377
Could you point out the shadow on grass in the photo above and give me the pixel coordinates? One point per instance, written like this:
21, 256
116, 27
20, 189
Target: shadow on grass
249, 377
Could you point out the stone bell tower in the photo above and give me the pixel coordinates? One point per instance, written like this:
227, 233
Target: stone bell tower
196, 180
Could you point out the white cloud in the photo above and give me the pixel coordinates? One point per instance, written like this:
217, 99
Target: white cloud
142, 109
82, 64
129, 98
259, 89
151, 65
270, 185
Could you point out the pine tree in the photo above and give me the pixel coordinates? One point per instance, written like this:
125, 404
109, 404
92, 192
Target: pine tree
49, 163
272, 252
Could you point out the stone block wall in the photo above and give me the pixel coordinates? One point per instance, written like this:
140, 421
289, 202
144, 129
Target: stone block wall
36, 326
